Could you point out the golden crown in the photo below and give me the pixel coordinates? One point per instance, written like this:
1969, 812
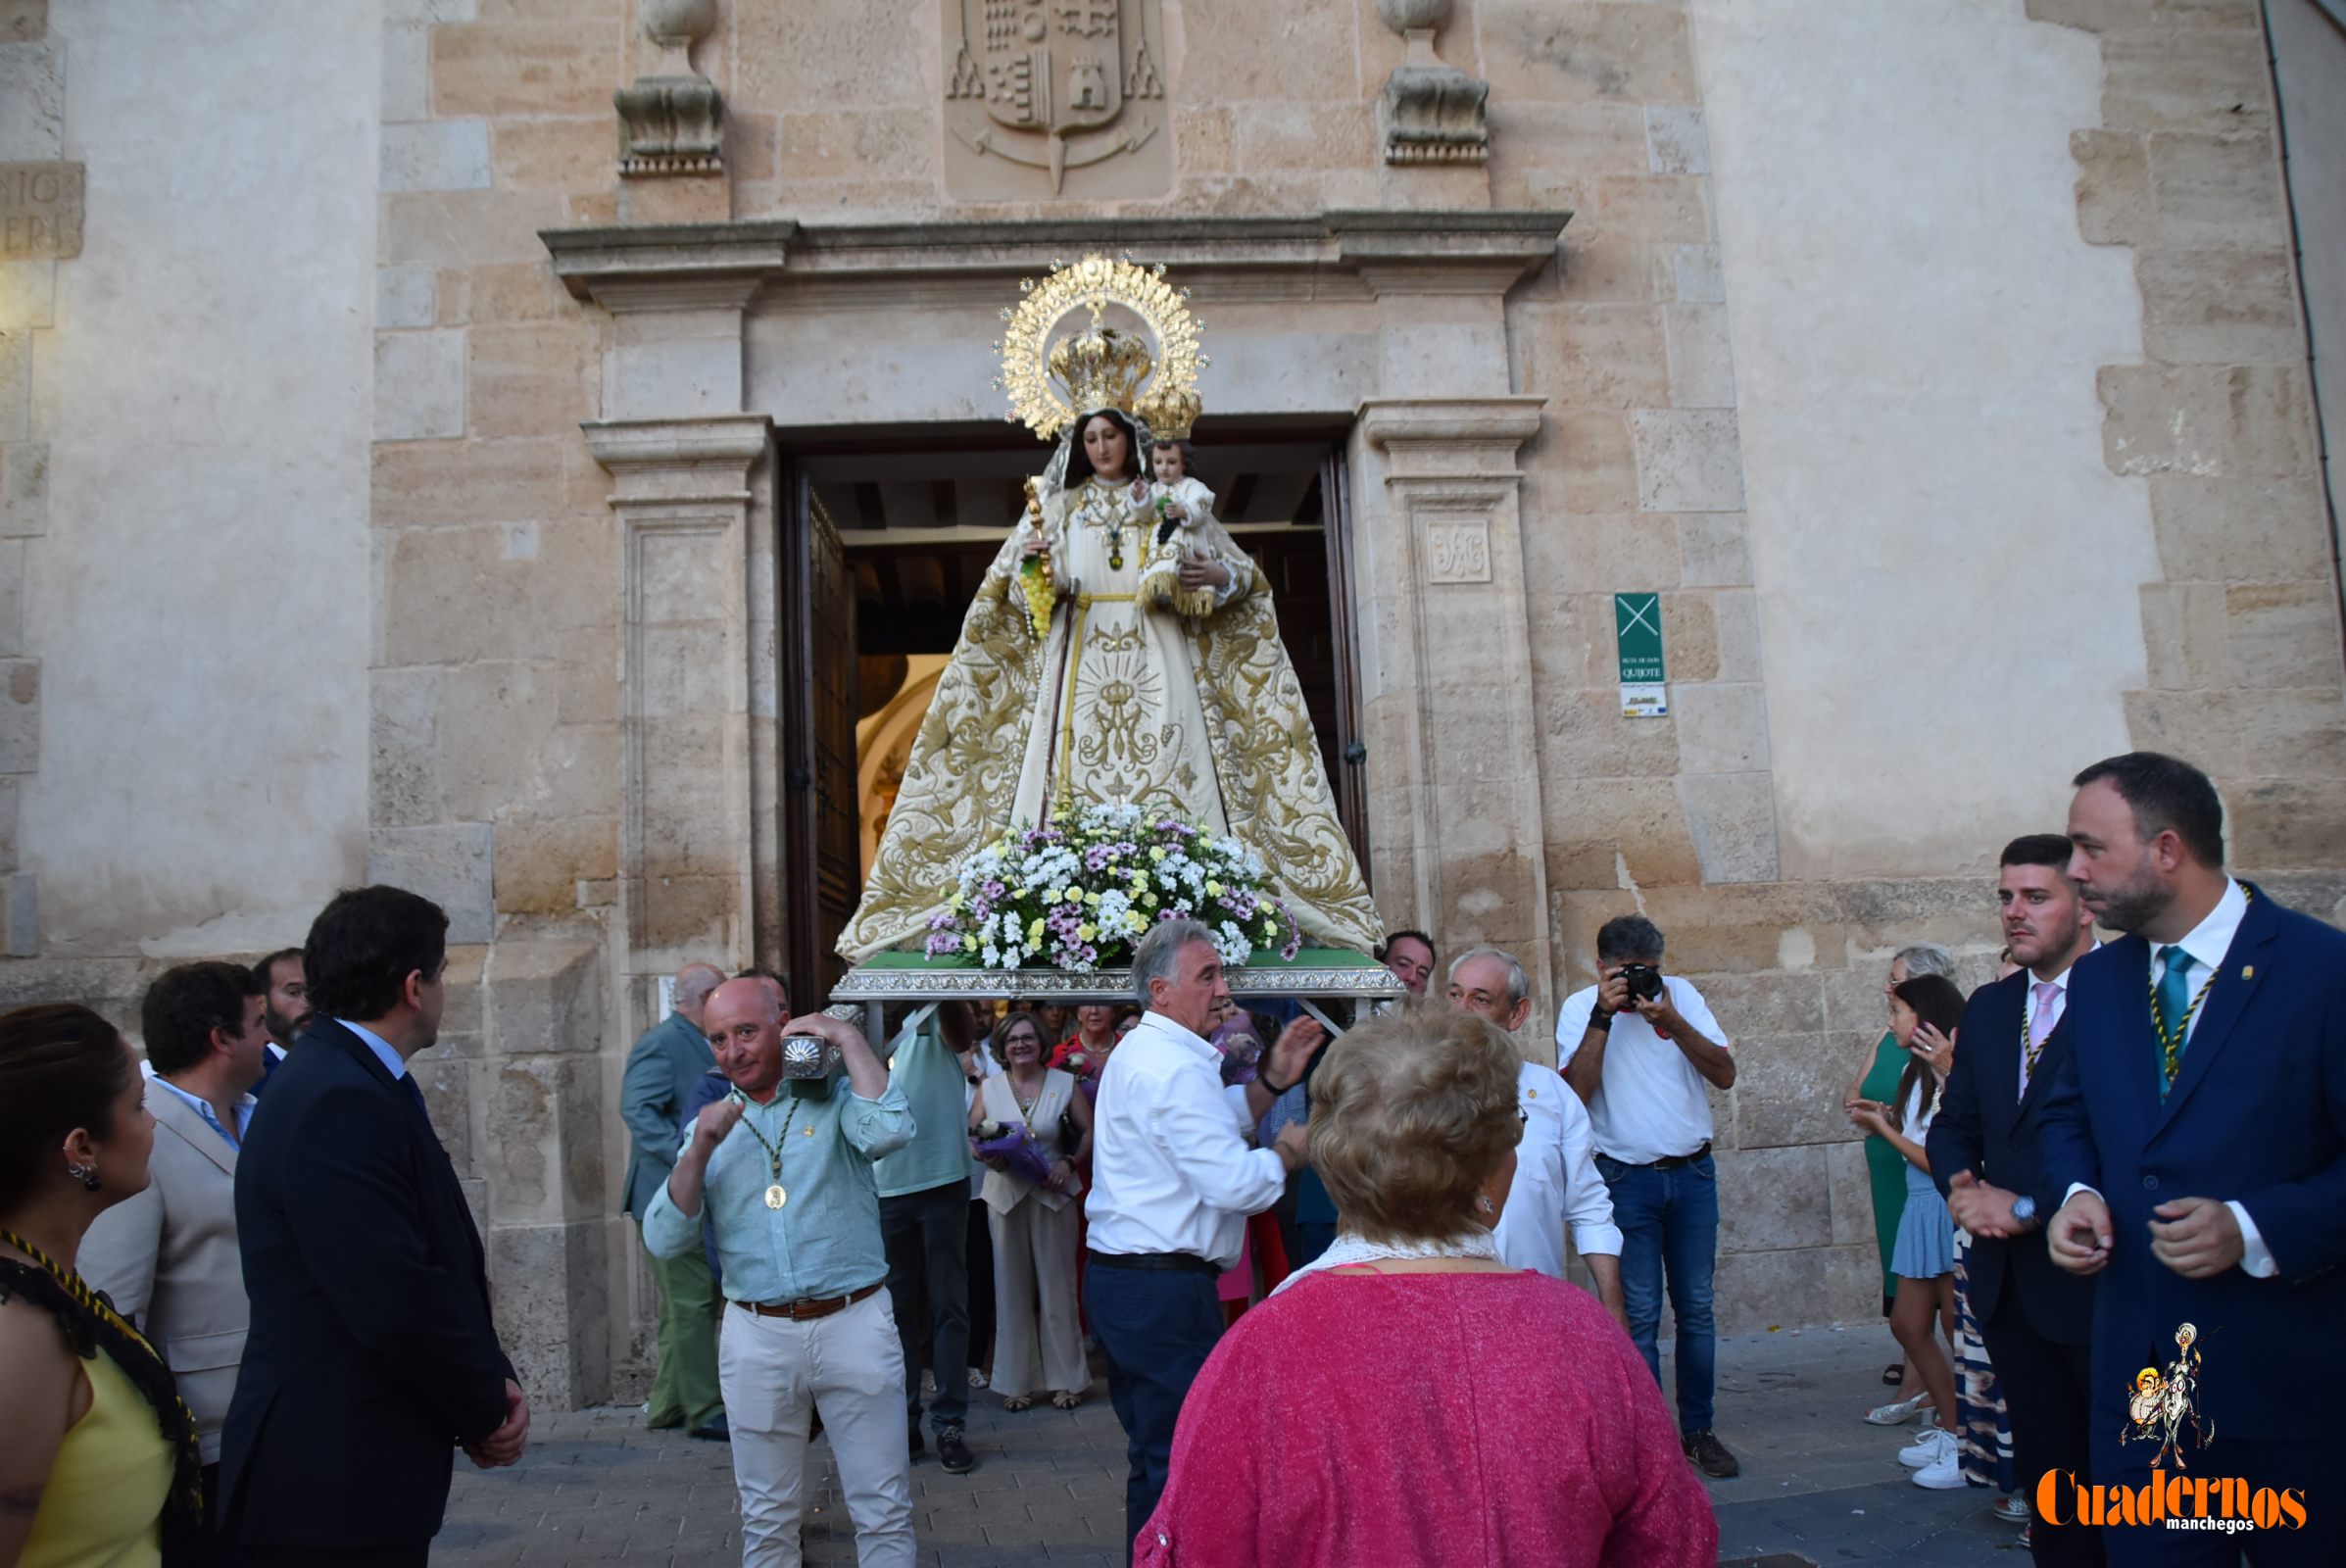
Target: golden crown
1104, 367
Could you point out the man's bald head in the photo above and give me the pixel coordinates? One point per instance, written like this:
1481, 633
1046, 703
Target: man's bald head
743, 1025
694, 983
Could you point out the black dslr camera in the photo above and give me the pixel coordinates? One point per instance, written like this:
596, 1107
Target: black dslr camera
1644, 981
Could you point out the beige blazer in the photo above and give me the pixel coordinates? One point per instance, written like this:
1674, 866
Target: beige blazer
168, 1257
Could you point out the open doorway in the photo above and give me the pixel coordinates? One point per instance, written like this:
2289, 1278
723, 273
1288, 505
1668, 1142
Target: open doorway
904, 527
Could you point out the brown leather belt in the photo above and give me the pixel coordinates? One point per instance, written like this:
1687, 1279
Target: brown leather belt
801, 1311
1676, 1161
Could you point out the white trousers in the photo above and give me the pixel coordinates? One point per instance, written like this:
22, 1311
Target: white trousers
1033, 1288
849, 1366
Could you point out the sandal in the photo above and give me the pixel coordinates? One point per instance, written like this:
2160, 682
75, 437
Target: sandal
1018, 1401
1063, 1400
1894, 1374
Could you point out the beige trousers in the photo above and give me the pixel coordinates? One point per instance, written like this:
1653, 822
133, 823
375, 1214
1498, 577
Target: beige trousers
1033, 1287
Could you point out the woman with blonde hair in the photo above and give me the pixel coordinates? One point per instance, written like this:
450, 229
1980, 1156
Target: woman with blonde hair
1407, 1350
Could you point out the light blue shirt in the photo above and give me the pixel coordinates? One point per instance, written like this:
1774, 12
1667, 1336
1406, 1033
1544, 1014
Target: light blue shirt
203, 1109
825, 1241
393, 1062
936, 1092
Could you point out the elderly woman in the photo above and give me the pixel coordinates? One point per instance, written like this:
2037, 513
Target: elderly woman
1034, 1225
1408, 1398
100, 1464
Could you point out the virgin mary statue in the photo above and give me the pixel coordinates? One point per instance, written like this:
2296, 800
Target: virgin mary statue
1135, 689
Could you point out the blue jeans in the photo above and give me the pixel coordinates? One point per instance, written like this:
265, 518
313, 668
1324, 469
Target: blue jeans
1157, 1328
1669, 1223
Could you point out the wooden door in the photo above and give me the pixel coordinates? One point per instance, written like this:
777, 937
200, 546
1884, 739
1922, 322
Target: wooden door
821, 855
1348, 773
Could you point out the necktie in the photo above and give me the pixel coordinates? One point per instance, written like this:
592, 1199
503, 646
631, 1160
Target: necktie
414, 1090
2049, 997
2173, 998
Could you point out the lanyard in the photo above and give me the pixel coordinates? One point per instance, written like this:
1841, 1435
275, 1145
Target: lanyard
2171, 1040
775, 1196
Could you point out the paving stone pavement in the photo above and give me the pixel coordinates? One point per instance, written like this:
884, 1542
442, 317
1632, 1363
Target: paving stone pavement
1048, 1487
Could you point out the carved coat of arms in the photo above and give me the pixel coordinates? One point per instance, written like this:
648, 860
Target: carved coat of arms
1034, 90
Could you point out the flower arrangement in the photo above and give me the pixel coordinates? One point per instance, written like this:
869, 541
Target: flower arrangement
1013, 1146
1079, 892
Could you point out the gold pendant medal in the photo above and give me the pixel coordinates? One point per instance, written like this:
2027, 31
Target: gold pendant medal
775, 1196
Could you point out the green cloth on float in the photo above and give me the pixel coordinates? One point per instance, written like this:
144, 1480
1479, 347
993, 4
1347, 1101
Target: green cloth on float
1886, 1167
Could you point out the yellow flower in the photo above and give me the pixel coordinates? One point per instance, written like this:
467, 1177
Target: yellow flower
1091, 897
1034, 931
1057, 895
1149, 899
969, 945
1132, 922
955, 902
1213, 889
1156, 855
1087, 931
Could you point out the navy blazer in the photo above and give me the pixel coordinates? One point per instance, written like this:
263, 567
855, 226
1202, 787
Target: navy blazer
372, 1353
1984, 1125
2258, 1116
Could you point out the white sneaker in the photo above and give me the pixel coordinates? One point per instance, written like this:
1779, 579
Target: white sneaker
1936, 1442
1943, 1474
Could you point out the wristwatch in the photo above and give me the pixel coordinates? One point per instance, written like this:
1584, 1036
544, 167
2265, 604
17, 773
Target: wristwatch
1600, 1020
2024, 1211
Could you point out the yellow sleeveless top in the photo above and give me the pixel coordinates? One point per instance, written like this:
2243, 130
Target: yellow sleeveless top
103, 1505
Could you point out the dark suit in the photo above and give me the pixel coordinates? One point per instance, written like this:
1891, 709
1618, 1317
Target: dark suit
372, 1353
2257, 1114
2034, 1317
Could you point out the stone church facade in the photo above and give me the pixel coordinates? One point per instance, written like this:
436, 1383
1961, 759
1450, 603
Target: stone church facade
400, 399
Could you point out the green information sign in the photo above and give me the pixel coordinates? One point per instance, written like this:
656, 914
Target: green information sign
1637, 634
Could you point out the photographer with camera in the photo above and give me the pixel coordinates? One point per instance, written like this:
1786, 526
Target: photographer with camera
782, 1163
1639, 1047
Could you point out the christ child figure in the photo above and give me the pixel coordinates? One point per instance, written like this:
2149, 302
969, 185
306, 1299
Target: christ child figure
1181, 509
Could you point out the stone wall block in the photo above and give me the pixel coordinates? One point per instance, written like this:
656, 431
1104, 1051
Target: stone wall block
542, 1142
2299, 734
437, 154
1715, 550
2206, 81
1278, 134
1583, 735
24, 896
1688, 460
2249, 422
1596, 356
1772, 1199
2186, 633
27, 295
20, 716
488, 482
2114, 190
1639, 820
16, 386
1732, 817
1675, 141
540, 864
2220, 307
2210, 727
1849, 1183
407, 75
32, 101
569, 154
466, 227
418, 385
1854, 1001
23, 20
1759, 1007
1597, 469
1720, 728
533, 380
2239, 530
2287, 822
461, 1012
2283, 634
498, 69
403, 297
8, 822
1702, 372
23, 490
1823, 1284
1547, 51
1668, 209
1690, 635
1563, 638
2218, 190
11, 596
544, 995
547, 1284
404, 778
1593, 554
448, 863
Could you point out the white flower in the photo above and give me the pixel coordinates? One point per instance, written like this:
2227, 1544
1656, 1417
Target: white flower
990, 956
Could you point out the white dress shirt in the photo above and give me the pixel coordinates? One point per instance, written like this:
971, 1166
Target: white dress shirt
1650, 1104
1556, 1183
2208, 942
1171, 1169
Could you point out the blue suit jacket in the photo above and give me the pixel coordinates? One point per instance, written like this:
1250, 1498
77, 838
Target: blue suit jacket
1984, 1125
2258, 1116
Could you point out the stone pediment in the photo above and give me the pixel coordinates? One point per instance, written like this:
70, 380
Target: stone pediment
1323, 256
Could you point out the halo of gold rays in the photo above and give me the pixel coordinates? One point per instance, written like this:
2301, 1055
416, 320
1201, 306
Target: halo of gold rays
1095, 283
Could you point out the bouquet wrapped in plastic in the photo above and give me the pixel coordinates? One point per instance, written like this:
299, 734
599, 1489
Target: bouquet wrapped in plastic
1013, 1144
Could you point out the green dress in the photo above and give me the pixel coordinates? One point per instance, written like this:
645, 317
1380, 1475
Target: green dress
1884, 1165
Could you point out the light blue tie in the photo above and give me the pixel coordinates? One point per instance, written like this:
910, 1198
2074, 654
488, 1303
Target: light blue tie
2174, 1004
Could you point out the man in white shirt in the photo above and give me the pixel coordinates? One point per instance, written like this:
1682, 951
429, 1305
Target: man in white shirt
1173, 1180
1639, 1047
1556, 1183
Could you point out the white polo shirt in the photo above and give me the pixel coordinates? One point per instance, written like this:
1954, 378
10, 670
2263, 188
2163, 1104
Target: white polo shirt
1650, 1104
1171, 1167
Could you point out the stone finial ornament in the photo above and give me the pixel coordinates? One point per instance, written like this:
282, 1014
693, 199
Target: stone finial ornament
673, 122
1431, 113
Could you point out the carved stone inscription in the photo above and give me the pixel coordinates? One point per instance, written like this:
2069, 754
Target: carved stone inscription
1458, 551
1055, 98
40, 212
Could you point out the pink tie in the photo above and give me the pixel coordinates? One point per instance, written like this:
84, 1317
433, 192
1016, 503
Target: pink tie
2049, 998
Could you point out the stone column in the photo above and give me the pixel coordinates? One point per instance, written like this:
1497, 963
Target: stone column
685, 843
1455, 828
